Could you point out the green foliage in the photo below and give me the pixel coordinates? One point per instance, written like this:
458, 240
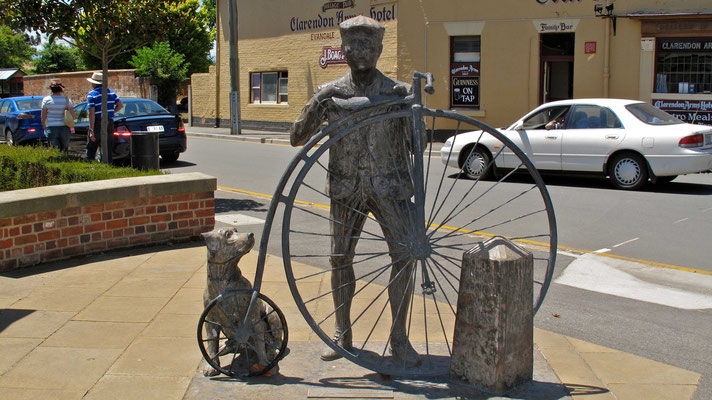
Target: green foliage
58, 58
23, 167
191, 35
14, 51
209, 10
165, 67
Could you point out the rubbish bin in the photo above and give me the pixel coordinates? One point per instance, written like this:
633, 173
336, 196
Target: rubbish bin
144, 150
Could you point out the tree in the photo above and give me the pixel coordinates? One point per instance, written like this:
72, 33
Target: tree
14, 51
103, 28
165, 67
57, 58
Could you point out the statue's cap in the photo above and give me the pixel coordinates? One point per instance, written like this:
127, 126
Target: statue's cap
361, 23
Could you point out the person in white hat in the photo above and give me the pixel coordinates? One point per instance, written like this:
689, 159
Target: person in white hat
113, 104
53, 108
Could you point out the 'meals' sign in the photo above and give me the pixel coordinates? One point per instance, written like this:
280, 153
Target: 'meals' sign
331, 55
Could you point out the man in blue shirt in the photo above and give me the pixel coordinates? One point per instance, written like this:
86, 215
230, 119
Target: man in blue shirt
113, 104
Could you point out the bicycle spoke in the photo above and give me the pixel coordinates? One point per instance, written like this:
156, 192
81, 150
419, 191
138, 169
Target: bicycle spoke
340, 267
331, 220
437, 309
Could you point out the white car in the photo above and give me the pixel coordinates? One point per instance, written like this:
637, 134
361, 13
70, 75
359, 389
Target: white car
629, 141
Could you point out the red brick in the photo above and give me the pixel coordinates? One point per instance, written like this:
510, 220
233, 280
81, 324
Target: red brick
160, 218
183, 223
118, 214
120, 242
96, 236
161, 209
40, 247
14, 231
29, 249
26, 229
84, 238
135, 203
182, 197
151, 210
182, 206
106, 216
194, 222
73, 241
140, 239
38, 227
203, 195
183, 232
204, 229
114, 205
155, 200
62, 223
24, 219
44, 216
150, 228
72, 231
139, 211
182, 215
194, 205
97, 208
117, 223
107, 235
5, 222
139, 221
128, 231
51, 255
52, 244
161, 227
5, 244
172, 207
118, 233
96, 217
99, 226
71, 221
72, 251
62, 242
209, 204
140, 229
15, 252
205, 213
209, 221
21, 240
172, 225
48, 235
129, 212
94, 246
71, 211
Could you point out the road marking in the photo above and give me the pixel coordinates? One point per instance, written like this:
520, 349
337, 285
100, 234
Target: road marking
238, 219
707, 209
590, 272
680, 220
626, 242
558, 248
601, 251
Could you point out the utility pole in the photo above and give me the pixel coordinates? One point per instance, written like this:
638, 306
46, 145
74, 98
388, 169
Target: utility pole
234, 71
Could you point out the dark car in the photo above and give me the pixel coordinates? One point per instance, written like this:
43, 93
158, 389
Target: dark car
137, 115
21, 120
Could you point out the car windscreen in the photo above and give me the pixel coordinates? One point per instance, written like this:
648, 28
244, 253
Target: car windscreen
29, 104
134, 108
651, 115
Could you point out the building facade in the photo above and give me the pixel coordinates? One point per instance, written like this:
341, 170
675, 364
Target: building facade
492, 60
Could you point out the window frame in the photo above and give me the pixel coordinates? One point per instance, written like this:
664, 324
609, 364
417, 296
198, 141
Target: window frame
281, 94
674, 65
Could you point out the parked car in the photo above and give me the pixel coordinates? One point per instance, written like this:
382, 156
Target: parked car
629, 141
20, 120
136, 115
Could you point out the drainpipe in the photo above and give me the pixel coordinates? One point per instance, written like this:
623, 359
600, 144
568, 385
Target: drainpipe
234, 71
607, 58
218, 30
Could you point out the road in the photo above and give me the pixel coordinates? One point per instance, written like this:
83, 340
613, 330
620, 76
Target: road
623, 275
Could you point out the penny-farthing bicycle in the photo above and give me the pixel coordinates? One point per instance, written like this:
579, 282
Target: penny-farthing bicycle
446, 215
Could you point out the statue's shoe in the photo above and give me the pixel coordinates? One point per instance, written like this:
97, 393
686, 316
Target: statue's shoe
404, 354
344, 341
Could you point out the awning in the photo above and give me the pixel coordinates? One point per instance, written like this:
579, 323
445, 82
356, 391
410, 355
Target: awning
664, 14
7, 73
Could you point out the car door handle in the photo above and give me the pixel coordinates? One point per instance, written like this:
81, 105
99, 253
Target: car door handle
551, 136
611, 136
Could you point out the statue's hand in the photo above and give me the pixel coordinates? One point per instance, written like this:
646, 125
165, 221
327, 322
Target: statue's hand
331, 91
401, 89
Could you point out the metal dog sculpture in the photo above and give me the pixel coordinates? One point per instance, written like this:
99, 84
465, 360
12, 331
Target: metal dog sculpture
225, 249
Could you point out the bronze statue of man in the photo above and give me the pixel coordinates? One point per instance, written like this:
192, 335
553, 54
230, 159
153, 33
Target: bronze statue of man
368, 172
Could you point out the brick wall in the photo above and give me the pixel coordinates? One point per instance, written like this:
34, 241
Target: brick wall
122, 81
63, 221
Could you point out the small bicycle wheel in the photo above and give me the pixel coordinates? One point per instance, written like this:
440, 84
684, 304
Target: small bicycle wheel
238, 348
377, 286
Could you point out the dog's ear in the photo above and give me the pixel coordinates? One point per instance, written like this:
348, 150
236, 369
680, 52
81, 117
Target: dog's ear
212, 240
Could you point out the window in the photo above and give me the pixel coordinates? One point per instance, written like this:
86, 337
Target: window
4, 106
541, 118
683, 65
465, 72
268, 87
651, 115
592, 117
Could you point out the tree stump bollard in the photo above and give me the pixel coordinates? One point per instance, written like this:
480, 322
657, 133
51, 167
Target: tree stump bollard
493, 343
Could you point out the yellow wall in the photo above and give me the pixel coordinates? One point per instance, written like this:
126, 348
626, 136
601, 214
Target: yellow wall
420, 40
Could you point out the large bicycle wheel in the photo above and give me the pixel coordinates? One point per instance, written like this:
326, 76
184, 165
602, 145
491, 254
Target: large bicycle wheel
399, 279
240, 347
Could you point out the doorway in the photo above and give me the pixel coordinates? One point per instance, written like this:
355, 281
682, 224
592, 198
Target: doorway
556, 54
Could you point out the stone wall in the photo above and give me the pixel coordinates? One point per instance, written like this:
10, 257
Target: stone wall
57, 222
122, 81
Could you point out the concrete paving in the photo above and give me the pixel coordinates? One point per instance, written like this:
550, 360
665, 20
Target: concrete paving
123, 325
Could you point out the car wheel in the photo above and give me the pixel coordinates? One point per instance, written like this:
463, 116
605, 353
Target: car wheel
9, 139
476, 164
170, 157
628, 171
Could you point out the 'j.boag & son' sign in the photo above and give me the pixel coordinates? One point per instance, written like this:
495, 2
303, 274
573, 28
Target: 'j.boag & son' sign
331, 55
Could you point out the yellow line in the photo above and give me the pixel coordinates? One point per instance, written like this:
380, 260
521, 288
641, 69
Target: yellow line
651, 263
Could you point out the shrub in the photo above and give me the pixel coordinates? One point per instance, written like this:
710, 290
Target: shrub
23, 167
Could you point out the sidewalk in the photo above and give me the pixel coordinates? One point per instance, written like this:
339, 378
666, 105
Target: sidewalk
123, 325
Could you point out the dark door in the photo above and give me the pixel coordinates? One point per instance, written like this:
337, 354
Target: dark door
557, 67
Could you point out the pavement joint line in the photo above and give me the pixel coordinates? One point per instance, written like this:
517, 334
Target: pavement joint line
560, 249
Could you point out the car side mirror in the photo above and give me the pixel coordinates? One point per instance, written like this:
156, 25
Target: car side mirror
519, 127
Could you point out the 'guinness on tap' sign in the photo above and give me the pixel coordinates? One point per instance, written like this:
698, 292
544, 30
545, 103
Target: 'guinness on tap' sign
465, 85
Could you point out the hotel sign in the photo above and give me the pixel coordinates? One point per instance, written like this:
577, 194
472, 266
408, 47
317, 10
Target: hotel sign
555, 25
326, 18
690, 111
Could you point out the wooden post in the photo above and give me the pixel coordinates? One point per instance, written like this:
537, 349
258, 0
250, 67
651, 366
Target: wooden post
493, 344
